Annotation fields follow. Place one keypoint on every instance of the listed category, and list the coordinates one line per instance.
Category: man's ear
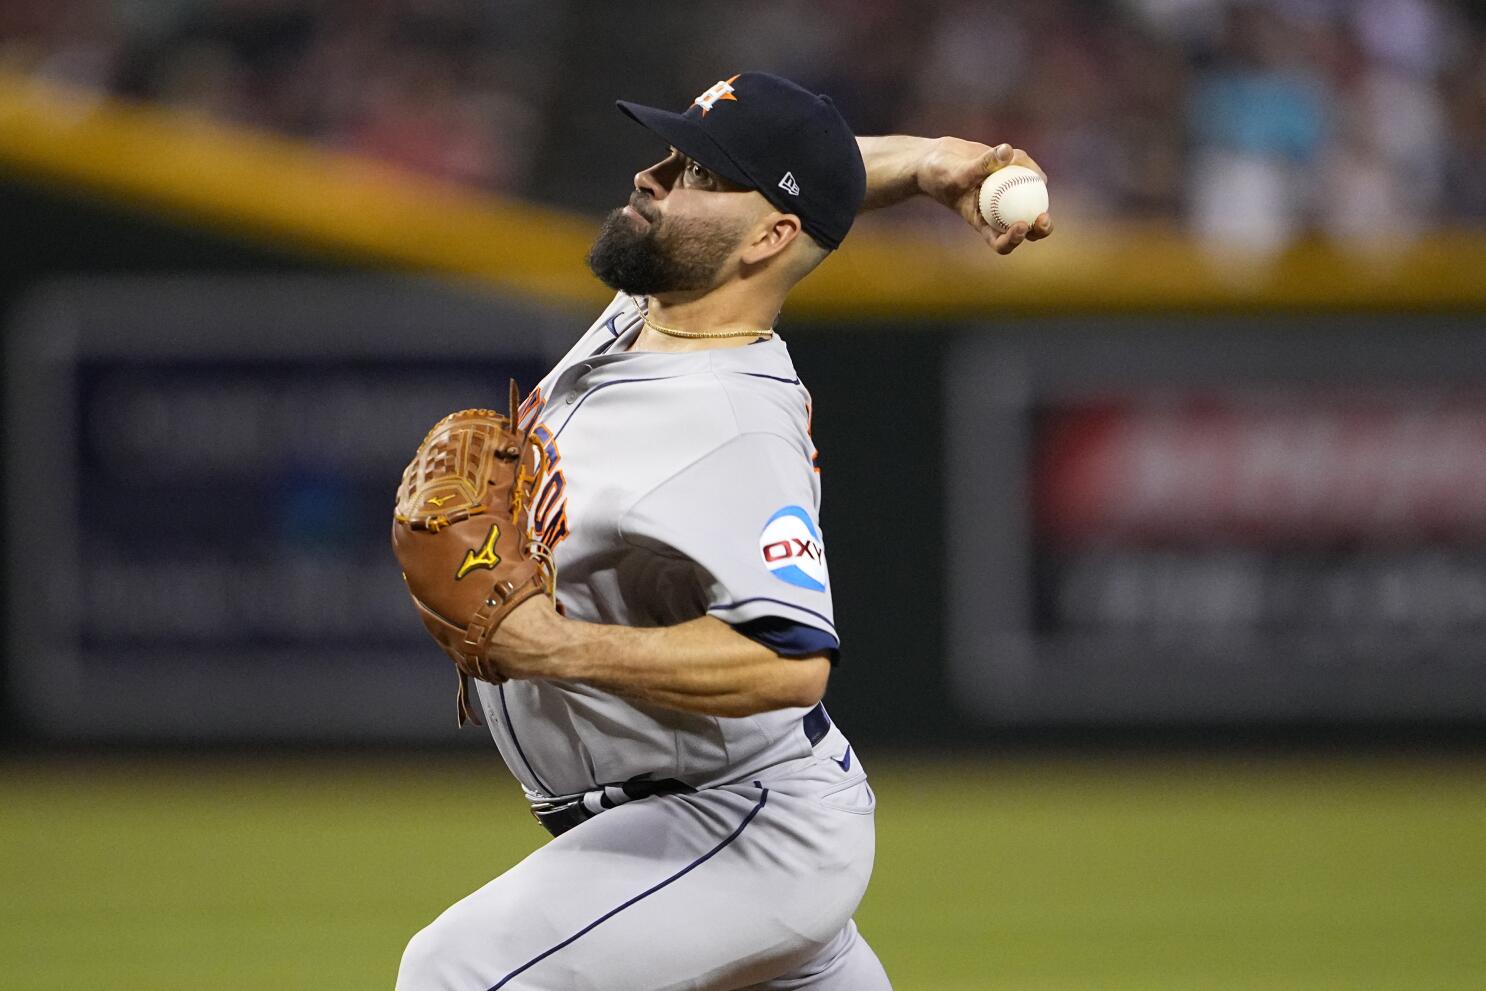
(774, 234)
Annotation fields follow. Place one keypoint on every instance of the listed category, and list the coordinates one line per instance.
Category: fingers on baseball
(997, 158)
(1006, 243)
(968, 175)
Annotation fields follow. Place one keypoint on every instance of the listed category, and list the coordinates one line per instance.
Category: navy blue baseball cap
(764, 132)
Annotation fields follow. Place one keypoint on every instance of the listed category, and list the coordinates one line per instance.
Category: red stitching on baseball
(1020, 180)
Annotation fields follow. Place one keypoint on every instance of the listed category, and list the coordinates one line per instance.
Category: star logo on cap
(723, 90)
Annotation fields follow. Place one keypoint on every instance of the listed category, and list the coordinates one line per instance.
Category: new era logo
(789, 185)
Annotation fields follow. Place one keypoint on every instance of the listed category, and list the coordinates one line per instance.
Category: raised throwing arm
(949, 171)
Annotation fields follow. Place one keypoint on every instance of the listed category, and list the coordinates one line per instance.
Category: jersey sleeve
(746, 517)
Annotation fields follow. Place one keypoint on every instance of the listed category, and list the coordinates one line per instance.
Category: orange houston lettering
(551, 493)
(549, 444)
(550, 511)
(529, 404)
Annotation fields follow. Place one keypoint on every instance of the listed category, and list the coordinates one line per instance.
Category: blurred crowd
(1252, 123)
(451, 88)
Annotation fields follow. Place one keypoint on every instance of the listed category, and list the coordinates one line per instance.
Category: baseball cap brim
(687, 137)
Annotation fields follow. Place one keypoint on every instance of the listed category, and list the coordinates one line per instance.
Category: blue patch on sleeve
(791, 549)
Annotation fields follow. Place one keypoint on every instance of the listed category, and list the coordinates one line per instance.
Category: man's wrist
(534, 641)
(895, 167)
(920, 151)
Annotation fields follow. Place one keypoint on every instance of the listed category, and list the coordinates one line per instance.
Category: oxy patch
(791, 548)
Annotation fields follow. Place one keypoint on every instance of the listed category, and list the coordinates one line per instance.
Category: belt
(558, 815)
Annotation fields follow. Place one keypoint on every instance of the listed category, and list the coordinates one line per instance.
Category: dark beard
(665, 256)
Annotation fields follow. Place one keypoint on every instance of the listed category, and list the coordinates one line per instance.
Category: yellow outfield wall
(270, 188)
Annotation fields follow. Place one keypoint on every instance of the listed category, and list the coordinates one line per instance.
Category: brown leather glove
(461, 533)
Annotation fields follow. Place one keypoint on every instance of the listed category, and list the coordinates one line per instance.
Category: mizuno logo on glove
(486, 557)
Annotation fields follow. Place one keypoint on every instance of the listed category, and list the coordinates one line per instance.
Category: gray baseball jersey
(678, 485)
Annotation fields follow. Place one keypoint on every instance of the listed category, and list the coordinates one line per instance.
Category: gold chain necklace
(697, 334)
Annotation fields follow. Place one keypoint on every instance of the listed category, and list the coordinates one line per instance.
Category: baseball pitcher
(629, 571)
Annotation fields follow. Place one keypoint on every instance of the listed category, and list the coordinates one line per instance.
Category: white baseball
(1011, 194)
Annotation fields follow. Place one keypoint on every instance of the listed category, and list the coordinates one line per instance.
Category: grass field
(1036, 875)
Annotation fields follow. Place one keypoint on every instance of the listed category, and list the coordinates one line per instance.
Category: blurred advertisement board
(201, 477)
(1221, 523)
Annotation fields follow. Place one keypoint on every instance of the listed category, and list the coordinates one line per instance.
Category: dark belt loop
(560, 819)
(816, 724)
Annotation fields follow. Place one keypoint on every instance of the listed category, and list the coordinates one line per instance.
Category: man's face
(678, 232)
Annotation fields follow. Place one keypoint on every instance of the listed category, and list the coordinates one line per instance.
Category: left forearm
(893, 163)
(699, 666)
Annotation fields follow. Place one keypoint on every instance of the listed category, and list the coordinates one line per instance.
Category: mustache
(639, 203)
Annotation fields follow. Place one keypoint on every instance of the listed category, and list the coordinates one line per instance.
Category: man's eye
(695, 171)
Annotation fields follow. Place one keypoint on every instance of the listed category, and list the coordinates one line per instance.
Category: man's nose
(647, 182)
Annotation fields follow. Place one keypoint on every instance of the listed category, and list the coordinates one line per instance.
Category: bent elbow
(805, 683)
